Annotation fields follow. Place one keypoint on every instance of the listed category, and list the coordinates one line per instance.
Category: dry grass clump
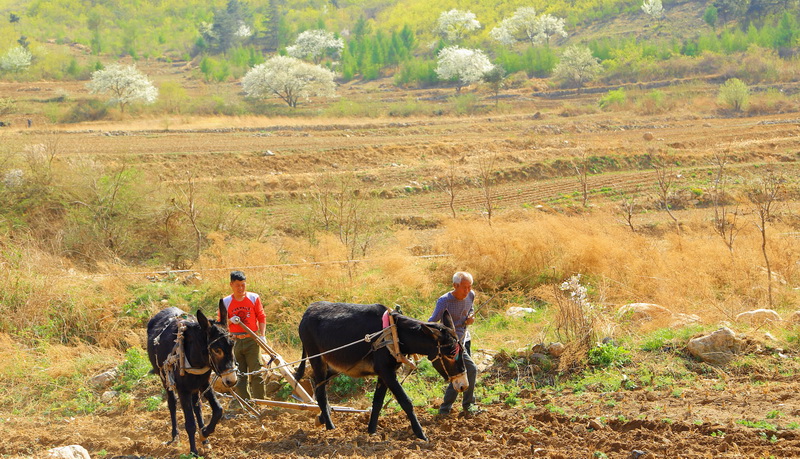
(34, 378)
(690, 272)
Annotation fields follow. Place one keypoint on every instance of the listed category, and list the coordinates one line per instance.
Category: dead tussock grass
(403, 272)
(36, 376)
(224, 252)
(688, 272)
(81, 359)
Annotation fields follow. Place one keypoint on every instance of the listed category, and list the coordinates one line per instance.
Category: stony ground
(699, 421)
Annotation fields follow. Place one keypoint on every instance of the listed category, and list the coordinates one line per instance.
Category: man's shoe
(444, 412)
(473, 409)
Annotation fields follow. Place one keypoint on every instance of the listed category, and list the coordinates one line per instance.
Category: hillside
(646, 185)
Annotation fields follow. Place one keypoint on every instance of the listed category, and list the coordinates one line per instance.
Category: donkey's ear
(202, 320)
(223, 315)
(431, 331)
(447, 320)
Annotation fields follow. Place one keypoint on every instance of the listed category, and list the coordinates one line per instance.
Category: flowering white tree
(125, 84)
(577, 65)
(525, 25)
(315, 44)
(455, 24)
(288, 78)
(466, 66)
(16, 59)
(653, 8)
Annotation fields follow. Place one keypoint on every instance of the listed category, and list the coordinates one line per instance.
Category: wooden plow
(307, 402)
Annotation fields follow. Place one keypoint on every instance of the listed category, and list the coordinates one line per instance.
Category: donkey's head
(220, 346)
(448, 356)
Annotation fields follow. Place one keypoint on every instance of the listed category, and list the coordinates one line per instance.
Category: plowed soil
(272, 164)
(700, 422)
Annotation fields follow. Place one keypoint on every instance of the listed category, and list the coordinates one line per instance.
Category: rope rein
(367, 339)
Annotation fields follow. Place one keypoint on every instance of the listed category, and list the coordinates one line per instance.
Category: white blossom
(453, 25)
(125, 84)
(577, 292)
(16, 60)
(653, 8)
(577, 65)
(206, 29)
(243, 31)
(288, 78)
(464, 65)
(525, 25)
(13, 178)
(315, 44)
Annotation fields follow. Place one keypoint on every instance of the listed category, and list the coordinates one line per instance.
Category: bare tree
(486, 170)
(187, 205)
(628, 208)
(764, 195)
(581, 166)
(340, 207)
(725, 220)
(450, 184)
(40, 159)
(666, 177)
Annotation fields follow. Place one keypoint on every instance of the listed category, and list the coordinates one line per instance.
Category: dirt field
(272, 165)
(700, 422)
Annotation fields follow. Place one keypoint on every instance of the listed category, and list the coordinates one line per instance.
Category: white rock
(681, 320)
(516, 311)
(718, 347)
(794, 317)
(104, 379)
(68, 452)
(555, 349)
(758, 316)
(643, 311)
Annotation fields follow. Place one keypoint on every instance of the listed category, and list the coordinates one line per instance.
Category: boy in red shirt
(247, 306)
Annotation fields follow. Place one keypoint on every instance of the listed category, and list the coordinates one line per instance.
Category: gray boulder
(716, 348)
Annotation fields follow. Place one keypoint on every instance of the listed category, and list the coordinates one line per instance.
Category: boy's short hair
(237, 276)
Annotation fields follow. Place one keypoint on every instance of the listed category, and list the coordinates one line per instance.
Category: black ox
(206, 346)
(326, 326)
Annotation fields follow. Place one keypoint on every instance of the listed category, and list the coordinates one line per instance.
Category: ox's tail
(301, 370)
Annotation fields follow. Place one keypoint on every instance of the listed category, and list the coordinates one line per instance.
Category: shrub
(86, 110)
(609, 355)
(7, 105)
(734, 94)
(613, 97)
(465, 104)
(135, 367)
(652, 103)
(417, 73)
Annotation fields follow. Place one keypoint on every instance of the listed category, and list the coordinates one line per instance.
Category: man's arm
(262, 329)
(438, 311)
(471, 314)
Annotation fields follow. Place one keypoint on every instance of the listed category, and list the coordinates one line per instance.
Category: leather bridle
(441, 356)
(213, 363)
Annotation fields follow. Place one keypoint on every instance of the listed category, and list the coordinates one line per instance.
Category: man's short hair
(460, 276)
(237, 276)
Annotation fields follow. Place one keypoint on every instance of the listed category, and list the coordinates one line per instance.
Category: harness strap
(394, 349)
(177, 358)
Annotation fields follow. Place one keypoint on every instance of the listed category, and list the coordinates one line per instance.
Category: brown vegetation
(347, 208)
